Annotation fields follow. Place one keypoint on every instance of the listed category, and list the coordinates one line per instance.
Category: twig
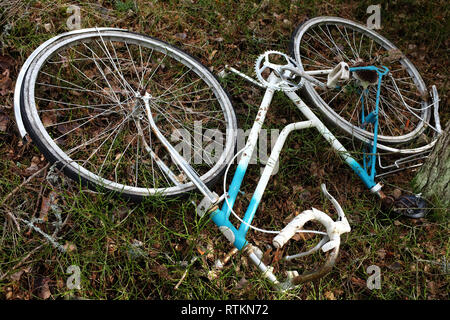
(13, 218)
(182, 278)
(22, 261)
(45, 235)
(39, 196)
(185, 272)
(23, 183)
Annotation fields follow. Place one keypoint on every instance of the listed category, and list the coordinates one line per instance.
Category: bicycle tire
(54, 153)
(386, 47)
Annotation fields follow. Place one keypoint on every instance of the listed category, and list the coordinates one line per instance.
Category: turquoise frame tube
(372, 117)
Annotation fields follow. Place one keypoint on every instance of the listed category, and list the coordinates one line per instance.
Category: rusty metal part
(322, 271)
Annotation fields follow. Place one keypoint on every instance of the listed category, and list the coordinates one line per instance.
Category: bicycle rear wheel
(404, 109)
(79, 103)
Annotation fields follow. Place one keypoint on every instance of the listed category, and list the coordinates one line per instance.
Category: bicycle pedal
(411, 206)
(340, 72)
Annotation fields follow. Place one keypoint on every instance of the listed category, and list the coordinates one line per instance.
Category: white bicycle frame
(236, 236)
(221, 217)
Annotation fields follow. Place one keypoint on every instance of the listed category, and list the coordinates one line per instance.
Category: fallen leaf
(431, 285)
(111, 245)
(211, 56)
(44, 291)
(162, 271)
(49, 119)
(4, 120)
(359, 282)
(70, 247)
(6, 66)
(304, 195)
(16, 275)
(48, 27)
(393, 55)
(277, 256)
(60, 283)
(45, 207)
(297, 188)
(329, 295)
(381, 254)
(267, 256)
(34, 166)
(397, 193)
(181, 35)
(9, 293)
(241, 284)
(396, 266)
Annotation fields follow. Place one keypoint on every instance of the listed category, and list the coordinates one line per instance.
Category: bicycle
(104, 78)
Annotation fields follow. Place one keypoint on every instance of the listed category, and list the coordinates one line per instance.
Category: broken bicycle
(106, 105)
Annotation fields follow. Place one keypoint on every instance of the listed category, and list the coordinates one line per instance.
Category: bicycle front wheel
(404, 111)
(80, 103)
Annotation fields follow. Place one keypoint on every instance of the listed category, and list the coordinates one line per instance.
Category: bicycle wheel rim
(39, 133)
(333, 115)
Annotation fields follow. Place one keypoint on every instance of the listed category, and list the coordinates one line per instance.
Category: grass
(128, 250)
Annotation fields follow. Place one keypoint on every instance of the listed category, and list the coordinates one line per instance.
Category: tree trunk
(432, 180)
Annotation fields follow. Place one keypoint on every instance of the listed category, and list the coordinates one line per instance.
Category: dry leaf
(34, 166)
(393, 55)
(359, 282)
(49, 119)
(44, 292)
(397, 193)
(9, 293)
(277, 256)
(329, 295)
(431, 285)
(241, 284)
(111, 245)
(267, 256)
(4, 120)
(381, 254)
(6, 65)
(181, 36)
(70, 247)
(396, 266)
(45, 207)
(162, 271)
(211, 56)
(16, 275)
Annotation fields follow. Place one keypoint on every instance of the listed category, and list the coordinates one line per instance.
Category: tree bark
(432, 180)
